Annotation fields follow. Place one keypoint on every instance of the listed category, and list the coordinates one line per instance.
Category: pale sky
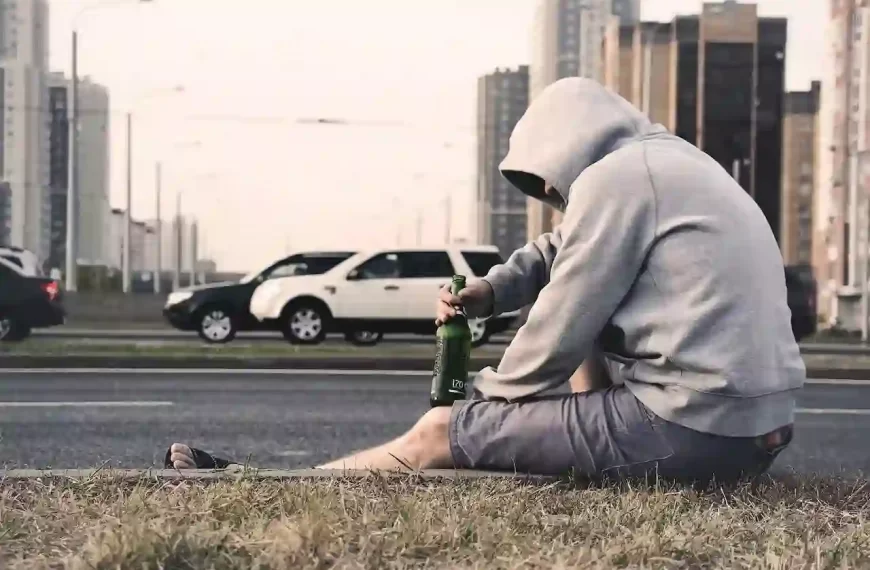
(259, 182)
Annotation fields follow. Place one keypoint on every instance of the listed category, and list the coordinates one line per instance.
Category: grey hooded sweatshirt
(662, 262)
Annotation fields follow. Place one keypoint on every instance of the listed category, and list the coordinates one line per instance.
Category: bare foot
(181, 456)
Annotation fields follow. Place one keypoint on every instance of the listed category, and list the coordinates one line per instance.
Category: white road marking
(215, 371)
(837, 382)
(293, 453)
(833, 411)
(106, 404)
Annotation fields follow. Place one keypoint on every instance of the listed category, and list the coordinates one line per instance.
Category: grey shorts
(606, 433)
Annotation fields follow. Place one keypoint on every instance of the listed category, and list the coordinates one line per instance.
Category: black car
(801, 286)
(217, 311)
(27, 302)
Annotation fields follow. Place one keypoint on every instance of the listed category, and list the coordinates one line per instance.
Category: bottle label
(451, 368)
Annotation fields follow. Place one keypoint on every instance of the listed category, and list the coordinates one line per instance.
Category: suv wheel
(479, 334)
(7, 328)
(364, 337)
(10, 331)
(216, 326)
(305, 323)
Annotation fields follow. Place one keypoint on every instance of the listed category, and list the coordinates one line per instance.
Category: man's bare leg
(592, 375)
(424, 446)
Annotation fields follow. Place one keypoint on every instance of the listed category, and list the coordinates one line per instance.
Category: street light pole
(176, 274)
(128, 215)
(71, 246)
(194, 230)
(158, 271)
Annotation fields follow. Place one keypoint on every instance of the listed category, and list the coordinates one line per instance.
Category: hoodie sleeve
(517, 282)
(609, 226)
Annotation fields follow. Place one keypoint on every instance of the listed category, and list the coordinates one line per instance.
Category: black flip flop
(202, 460)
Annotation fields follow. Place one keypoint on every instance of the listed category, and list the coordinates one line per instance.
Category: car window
(307, 264)
(14, 260)
(481, 262)
(381, 266)
(425, 264)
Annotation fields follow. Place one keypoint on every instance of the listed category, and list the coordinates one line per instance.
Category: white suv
(375, 292)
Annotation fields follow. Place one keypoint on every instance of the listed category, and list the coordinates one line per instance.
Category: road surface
(167, 336)
(66, 419)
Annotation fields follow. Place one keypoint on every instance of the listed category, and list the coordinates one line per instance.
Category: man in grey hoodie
(663, 273)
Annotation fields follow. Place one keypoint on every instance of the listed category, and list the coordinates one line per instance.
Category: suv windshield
(481, 262)
(302, 264)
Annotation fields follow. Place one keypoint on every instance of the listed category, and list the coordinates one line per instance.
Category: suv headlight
(178, 297)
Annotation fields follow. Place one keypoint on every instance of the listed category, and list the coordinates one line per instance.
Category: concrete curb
(349, 363)
(249, 473)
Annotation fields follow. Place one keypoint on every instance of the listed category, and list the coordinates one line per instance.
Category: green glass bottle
(452, 351)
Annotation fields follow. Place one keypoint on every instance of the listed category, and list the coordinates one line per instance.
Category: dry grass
(412, 523)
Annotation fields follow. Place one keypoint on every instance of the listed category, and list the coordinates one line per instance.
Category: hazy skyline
(260, 184)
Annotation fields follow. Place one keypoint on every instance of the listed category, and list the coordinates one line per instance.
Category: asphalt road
(171, 336)
(65, 419)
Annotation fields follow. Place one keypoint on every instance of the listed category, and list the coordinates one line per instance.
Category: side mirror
(353, 275)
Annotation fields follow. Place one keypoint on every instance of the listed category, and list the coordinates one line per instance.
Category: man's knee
(429, 440)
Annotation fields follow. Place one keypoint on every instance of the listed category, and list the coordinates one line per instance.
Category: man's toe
(182, 464)
(181, 456)
(181, 448)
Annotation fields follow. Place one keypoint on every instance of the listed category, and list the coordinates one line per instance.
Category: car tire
(215, 325)
(10, 331)
(305, 322)
(480, 333)
(363, 337)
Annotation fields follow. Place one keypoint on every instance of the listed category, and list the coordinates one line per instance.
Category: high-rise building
(637, 64)
(628, 11)
(93, 209)
(141, 242)
(5, 213)
(567, 42)
(840, 221)
(800, 144)
(24, 135)
(502, 98)
(58, 173)
(717, 80)
(115, 239)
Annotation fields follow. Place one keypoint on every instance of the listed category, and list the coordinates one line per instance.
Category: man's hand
(476, 298)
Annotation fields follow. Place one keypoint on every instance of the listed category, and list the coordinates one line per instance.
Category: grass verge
(410, 523)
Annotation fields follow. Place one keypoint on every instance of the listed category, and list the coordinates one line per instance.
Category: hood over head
(571, 125)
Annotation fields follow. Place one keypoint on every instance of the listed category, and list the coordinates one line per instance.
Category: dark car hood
(207, 287)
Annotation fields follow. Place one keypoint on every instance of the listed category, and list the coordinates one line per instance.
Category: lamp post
(128, 215)
(158, 222)
(178, 245)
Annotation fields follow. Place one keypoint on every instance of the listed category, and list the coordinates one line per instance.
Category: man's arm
(517, 282)
(606, 235)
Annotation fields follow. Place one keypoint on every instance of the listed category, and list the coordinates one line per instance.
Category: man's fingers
(448, 298)
(443, 313)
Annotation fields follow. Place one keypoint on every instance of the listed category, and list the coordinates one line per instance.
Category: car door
(13, 293)
(369, 291)
(422, 274)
